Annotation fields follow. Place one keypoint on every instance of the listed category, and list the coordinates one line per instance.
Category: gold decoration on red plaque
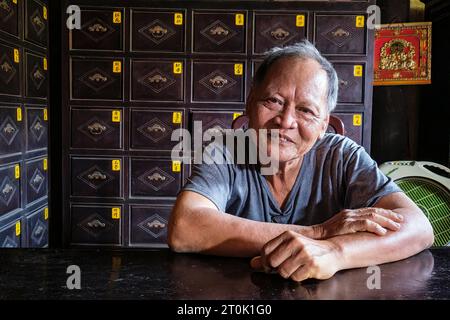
(402, 54)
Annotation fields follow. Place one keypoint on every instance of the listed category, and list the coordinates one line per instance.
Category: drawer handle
(97, 27)
(216, 130)
(38, 75)
(156, 128)
(38, 126)
(39, 230)
(37, 179)
(4, 5)
(218, 82)
(98, 78)
(157, 78)
(158, 31)
(96, 224)
(340, 33)
(97, 175)
(96, 129)
(9, 128)
(6, 67)
(343, 82)
(279, 34)
(38, 22)
(218, 31)
(7, 189)
(156, 177)
(156, 224)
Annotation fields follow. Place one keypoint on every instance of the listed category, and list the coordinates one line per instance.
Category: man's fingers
(370, 226)
(301, 274)
(257, 264)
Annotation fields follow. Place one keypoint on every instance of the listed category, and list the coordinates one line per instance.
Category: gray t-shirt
(336, 174)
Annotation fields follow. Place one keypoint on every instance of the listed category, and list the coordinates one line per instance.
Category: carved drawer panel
(37, 126)
(158, 30)
(148, 225)
(353, 125)
(9, 17)
(157, 80)
(36, 22)
(340, 34)
(9, 237)
(152, 130)
(218, 81)
(100, 30)
(10, 193)
(213, 122)
(278, 30)
(96, 224)
(12, 131)
(37, 228)
(10, 70)
(222, 32)
(96, 177)
(351, 82)
(97, 79)
(36, 76)
(36, 179)
(154, 178)
(97, 128)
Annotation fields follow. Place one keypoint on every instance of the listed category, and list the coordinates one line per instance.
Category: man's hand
(374, 220)
(297, 257)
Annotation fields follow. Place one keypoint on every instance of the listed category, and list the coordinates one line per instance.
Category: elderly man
(327, 208)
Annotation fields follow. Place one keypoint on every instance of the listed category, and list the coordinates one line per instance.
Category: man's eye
(305, 110)
(274, 100)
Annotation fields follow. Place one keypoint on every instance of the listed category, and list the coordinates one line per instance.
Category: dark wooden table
(161, 274)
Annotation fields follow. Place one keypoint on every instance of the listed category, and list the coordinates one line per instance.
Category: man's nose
(286, 119)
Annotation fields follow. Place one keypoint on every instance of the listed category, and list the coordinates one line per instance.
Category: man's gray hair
(302, 50)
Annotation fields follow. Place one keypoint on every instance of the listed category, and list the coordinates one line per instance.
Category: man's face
(293, 99)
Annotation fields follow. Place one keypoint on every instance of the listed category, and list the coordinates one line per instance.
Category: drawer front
(10, 194)
(218, 82)
(36, 76)
(157, 80)
(11, 130)
(220, 32)
(278, 30)
(148, 225)
(340, 34)
(95, 224)
(100, 30)
(37, 180)
(9, 17)
(351, 82)
(97, 79)
(153, 178)
(213, 122)
(37, 123)
(95, 177)
(9, 237)
(36, 22)
(37, 228)
(152, 130)
(97, 128)
(10, 70)
(353, 125)
(158, 31)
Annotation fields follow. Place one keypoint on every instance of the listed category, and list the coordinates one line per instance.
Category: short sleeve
(364, 181)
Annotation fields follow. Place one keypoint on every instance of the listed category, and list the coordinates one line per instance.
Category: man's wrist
(313, 232)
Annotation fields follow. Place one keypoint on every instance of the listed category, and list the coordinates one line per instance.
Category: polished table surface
(161, 274)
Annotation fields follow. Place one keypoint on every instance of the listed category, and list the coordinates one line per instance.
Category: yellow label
(177, 67)
(44, 12)
(357, 120)
(14, 1)
(177, 117)
(115, 213)
(178, 19)
(238, 69)
(176, 166)
(45, 164)
(116, 116)
(19, 114)
(236, 114)
(16, 56)
(358, 71)
(18, 228)
(46, 214)
(300, 20)
(360, 21)
(45, 114)
(117, 66)
(45, 65)
(239, 19)
(117, 17)
(116, 165)
(17, 171)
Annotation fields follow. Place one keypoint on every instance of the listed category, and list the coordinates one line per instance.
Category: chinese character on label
(300, 20)
(176, 166)
(116, 165)
(238, 69)
(239, 19)
(116, 116)
(178, 19)
(177, 68)
(177, 117)
(115, 213)
(357, 120)
(117, 17)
